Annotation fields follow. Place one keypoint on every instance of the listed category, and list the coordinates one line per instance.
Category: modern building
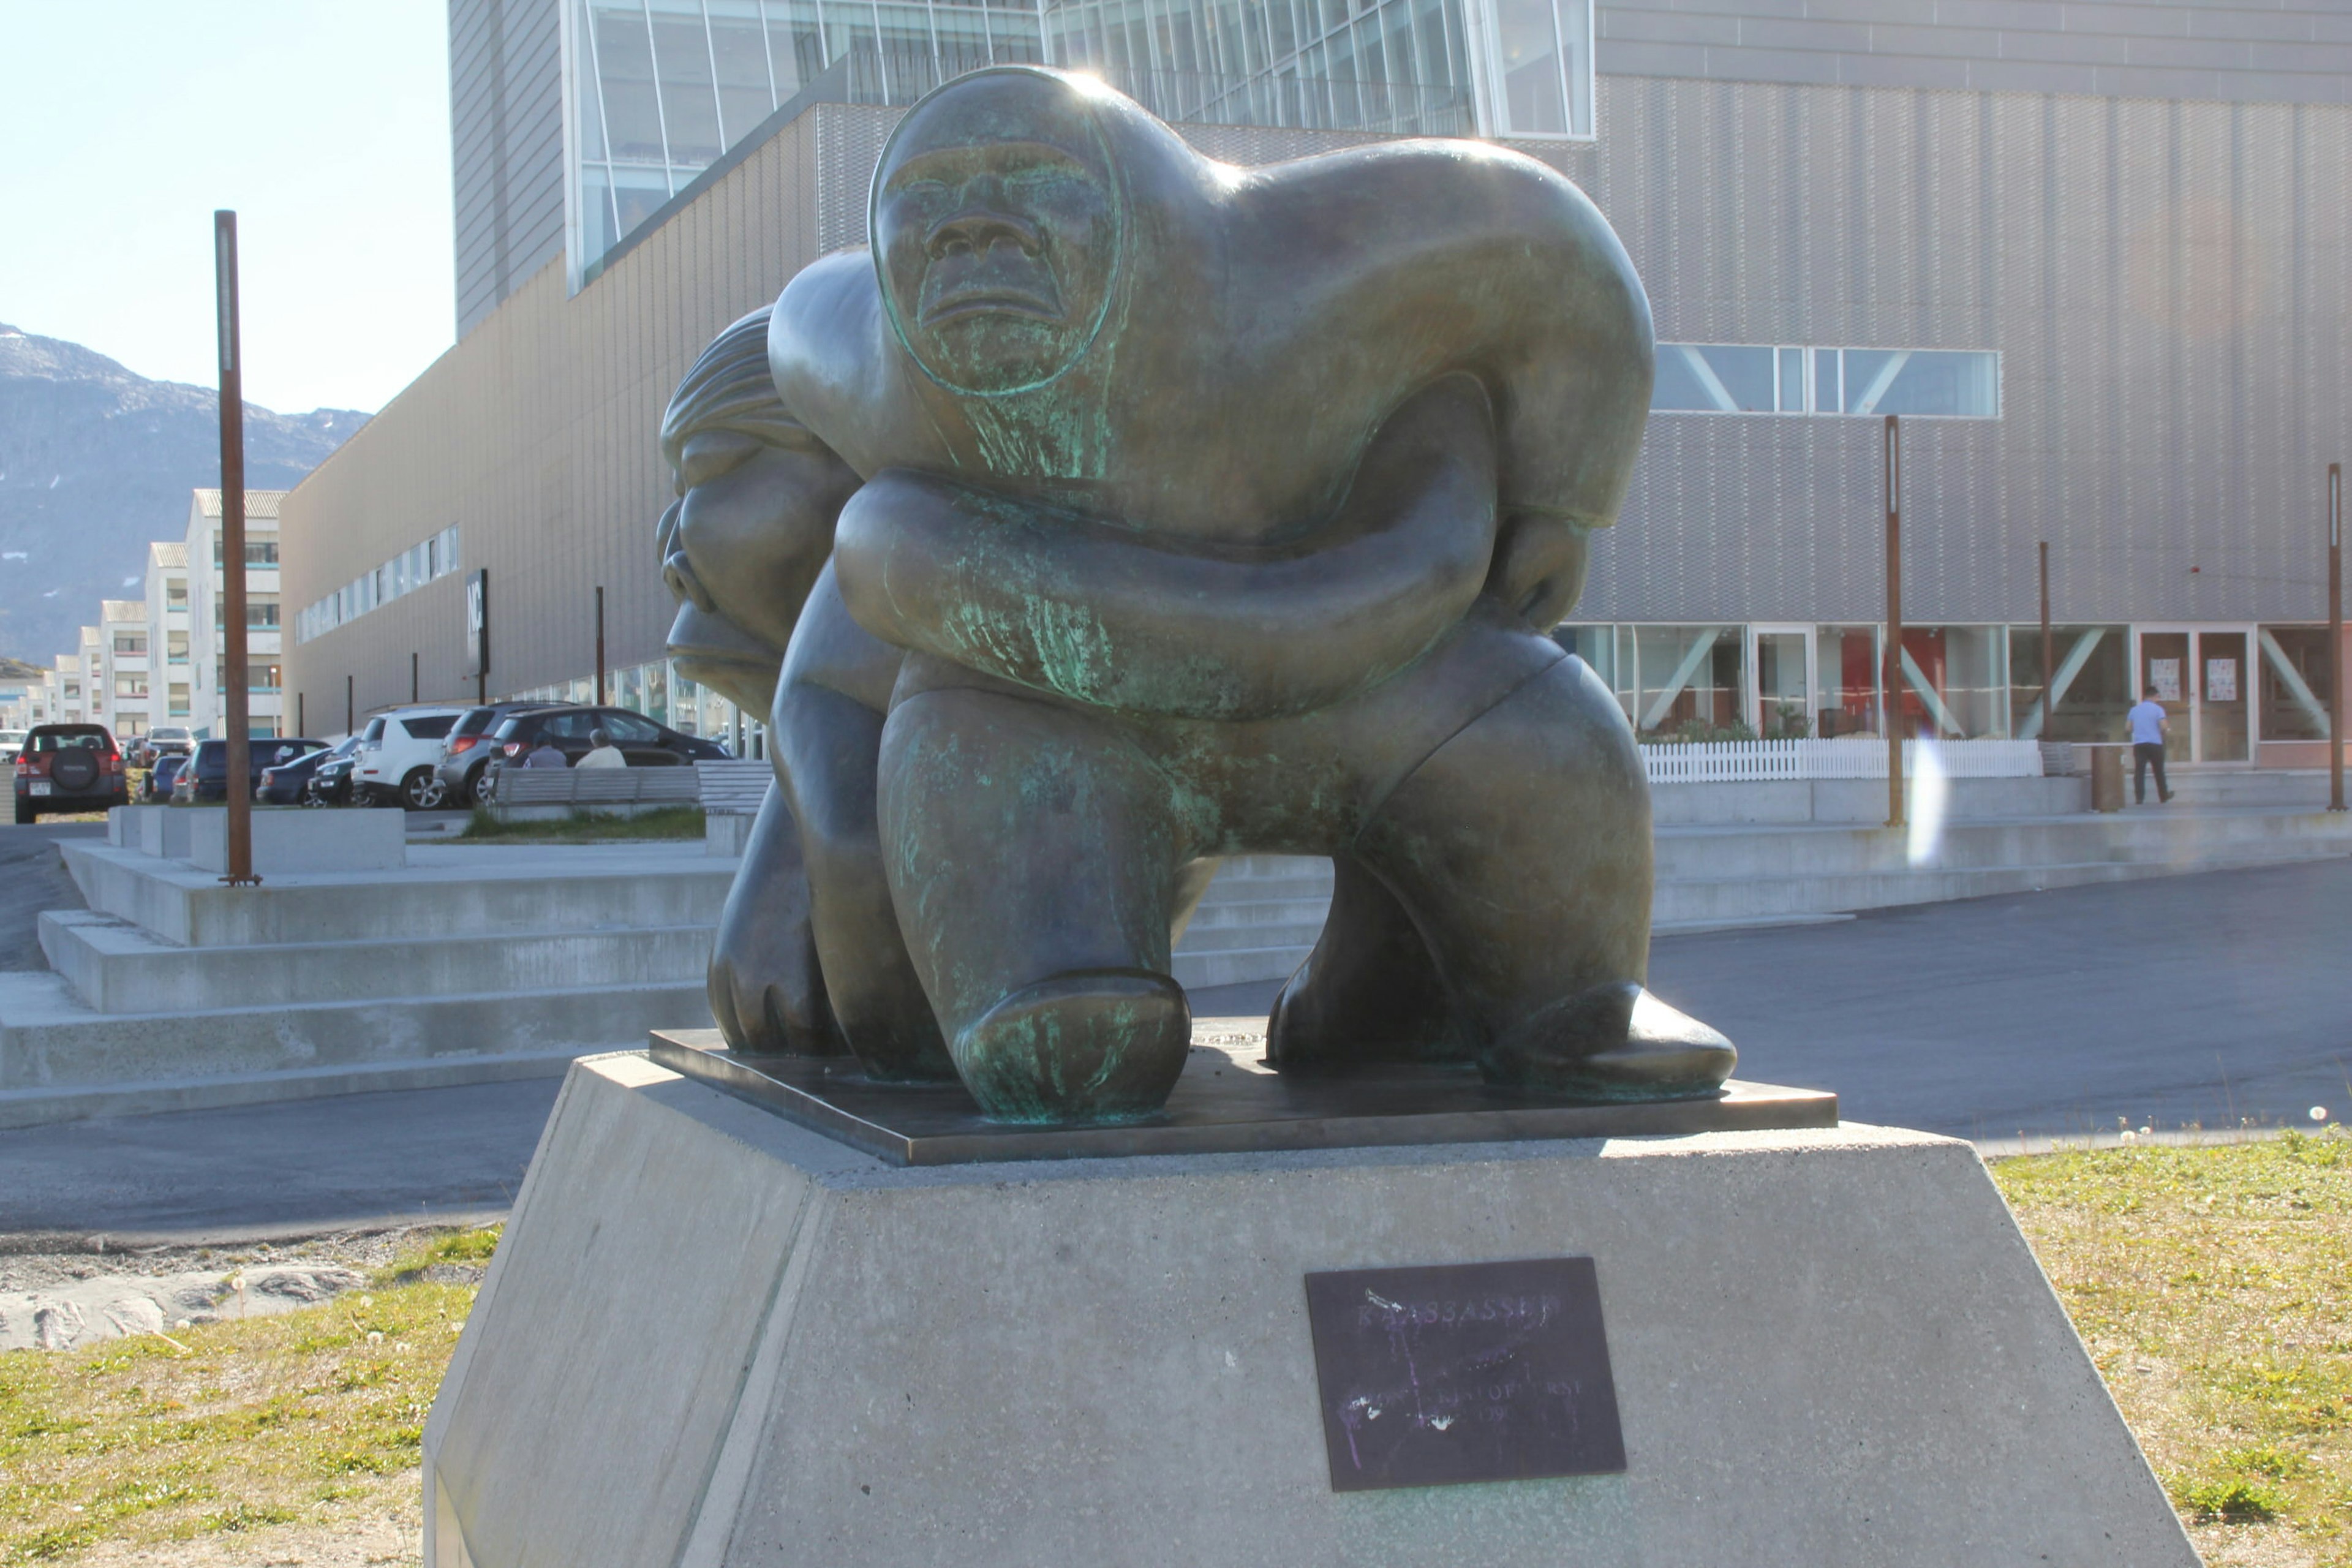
(2092, 254)
(207, 654)
(124, 673)
(171, 685)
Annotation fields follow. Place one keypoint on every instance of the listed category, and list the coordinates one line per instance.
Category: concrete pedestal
(712, 1337)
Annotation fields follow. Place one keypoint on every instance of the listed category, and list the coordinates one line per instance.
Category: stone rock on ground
(109, 1306)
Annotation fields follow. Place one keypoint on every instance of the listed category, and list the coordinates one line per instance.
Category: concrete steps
(465, 965)
(118, 967)
(62, 1059)
(445, 891)
(1731, 873)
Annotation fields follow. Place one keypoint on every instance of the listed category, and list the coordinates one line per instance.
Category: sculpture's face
(996, 227)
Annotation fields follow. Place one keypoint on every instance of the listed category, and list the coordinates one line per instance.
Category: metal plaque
(1468, 1371)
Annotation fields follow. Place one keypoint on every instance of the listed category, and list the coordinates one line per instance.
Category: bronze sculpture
(1177, 512)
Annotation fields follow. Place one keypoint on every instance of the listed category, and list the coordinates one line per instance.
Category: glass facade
(660, 89)
(1758, 378)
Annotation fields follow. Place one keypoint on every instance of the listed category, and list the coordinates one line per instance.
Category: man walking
(2146, 721)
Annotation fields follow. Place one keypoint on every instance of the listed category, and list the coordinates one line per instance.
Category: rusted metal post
(600, 648)
(2336, 637)
(235, 681)
(1892, 680)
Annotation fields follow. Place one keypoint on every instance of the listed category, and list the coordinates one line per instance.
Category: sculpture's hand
(1123, 619)
(767, 992)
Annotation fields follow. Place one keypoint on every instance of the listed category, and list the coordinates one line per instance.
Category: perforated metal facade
(2164, 281)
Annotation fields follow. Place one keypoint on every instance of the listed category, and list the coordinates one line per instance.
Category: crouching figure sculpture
(1178, 511)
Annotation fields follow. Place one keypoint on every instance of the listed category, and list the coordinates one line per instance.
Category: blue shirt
(2147, 724)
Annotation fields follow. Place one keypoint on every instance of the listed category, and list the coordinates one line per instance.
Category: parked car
(205, 776)
(467, 752)
(165, 741)
(11, 742)
(398, 753)
(158, 788)
(643, 743)
(289, 782)
(331, 785)
(68, 767)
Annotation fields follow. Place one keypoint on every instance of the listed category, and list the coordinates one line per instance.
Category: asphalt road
(32, 875)
(2186, 1000)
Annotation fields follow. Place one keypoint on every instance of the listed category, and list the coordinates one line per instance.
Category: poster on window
(2164, 674)
(2221, 680)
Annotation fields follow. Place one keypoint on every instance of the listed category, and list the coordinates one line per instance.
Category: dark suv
(466, 754)
(205, 776)
(68, 767)
(643, 743)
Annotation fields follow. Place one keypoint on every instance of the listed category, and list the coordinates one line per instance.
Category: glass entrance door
(2224, 692)
(2205, 686)
(1782, 660)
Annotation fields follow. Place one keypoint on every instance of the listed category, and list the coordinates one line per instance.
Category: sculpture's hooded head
(998, 222)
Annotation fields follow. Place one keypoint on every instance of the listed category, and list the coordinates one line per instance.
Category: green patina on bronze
(1207, 511)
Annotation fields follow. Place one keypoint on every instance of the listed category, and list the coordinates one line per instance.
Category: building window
(2295, 684)
(175, 647)
(2090, 690)
(1746, 378)
(258, 552)
(1955, 682)
(661, 88)
(1537, 66)
(131, 686)
(176, 698)
(131, 643)
(175, 593)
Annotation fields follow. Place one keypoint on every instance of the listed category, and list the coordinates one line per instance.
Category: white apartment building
(90, 662)
(170, 684)
(122, 631)
(264, 657)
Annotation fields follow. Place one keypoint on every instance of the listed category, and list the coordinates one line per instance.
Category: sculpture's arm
(1123, 619)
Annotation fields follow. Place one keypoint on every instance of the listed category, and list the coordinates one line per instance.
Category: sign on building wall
(477, 622)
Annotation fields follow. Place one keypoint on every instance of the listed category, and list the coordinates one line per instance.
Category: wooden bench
(597, 787)
(734, 788)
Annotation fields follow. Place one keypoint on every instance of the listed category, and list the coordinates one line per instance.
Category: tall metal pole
(2048, 674)
(2336, 637)
(239, 716)
(351, 708)
(1892, 680)
(600, 648)
(412, 677)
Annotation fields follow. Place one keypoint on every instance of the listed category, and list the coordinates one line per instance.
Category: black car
(158, 789)
(68, 767)
(287, 783)
(205, 776)
(643, 743)
(330, 784)
(467, 753)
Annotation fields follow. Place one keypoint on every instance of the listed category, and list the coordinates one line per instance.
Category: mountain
(95, 462)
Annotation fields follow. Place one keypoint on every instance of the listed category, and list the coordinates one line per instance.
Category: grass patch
(315, 1416)
(587, 827)
(2214, 1289)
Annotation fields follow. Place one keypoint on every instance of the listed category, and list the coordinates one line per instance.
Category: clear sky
(324, 123)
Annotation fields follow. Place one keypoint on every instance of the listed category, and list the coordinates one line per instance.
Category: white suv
(398, 753)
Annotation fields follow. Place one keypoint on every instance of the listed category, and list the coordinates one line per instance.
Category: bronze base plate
(1227, 1101)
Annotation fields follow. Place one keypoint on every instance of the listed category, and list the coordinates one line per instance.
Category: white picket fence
(1862, 757)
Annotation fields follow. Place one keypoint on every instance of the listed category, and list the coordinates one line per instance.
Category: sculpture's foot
(1092, 1046)
(1611, 1042)
(1316, 1027)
